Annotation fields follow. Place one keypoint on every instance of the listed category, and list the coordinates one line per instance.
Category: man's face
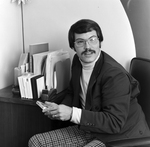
(87, 46)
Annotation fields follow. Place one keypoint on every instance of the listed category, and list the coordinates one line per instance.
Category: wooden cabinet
(20, 119)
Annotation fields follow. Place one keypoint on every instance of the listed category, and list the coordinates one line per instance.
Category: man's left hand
(60, 112)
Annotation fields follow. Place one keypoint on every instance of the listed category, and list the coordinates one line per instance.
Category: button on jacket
(111, 109)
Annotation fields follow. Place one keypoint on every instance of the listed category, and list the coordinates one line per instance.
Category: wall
(138, 12)
(10, 40)
(50, 20)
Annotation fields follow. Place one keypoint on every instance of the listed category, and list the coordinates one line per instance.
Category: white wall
(10, 40)
(50, 20)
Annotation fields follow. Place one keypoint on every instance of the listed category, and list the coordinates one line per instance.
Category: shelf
(6, 95)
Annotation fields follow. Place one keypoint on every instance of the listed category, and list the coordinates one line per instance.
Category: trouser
(65, 137)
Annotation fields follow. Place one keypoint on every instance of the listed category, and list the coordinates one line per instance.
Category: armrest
(135, 142)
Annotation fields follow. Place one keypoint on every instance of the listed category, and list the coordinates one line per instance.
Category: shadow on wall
(138, 12)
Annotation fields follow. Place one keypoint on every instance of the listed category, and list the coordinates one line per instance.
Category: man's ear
(74, 49)
(100, 45)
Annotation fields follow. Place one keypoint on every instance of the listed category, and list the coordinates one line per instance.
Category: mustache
(88, 50)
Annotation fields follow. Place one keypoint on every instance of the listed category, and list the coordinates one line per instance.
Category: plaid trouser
(65, 137)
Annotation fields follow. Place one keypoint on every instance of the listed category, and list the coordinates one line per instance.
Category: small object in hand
(41, 105)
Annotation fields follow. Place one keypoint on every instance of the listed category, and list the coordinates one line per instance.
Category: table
(20, 119)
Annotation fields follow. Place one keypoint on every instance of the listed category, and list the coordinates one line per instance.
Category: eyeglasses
(91, 41)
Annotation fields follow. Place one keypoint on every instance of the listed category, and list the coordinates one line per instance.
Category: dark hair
(83, 26)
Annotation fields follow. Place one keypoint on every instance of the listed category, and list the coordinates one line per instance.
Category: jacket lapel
(93, 79)
(77, 71)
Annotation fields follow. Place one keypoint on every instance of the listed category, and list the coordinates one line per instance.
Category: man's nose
(87, 45)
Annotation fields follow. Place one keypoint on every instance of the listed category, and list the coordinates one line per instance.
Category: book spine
(40, 85)
(30, 96)
(25, 87)
(20, 86)
(34, 88)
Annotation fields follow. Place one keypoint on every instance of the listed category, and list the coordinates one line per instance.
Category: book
(22, 85)
(34, 49)
(25, 86)
(29, 92)
(20, 82)
(40, 85)
(37, 84)
(39, 62)
(31, 85)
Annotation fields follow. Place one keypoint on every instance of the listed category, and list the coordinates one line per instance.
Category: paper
(52, 59)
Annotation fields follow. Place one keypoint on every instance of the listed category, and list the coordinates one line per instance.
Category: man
(101, 98)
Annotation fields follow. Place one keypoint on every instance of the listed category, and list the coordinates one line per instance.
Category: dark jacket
(111, 110)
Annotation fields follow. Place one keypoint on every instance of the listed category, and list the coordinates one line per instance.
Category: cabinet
(20, 119)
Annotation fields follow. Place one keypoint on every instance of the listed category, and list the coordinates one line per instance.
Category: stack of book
(31, 85)
(48, 70)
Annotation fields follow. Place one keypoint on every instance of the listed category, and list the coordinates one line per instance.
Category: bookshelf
(20, 119)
